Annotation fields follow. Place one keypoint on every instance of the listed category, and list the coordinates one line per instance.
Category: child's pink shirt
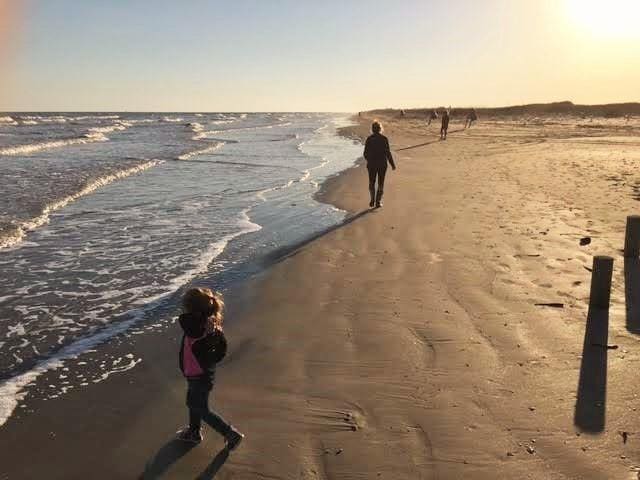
(189, 363)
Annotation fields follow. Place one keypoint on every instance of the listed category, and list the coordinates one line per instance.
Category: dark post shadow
(169, 454)
(592, 387)
(632, 293)
(213, 468)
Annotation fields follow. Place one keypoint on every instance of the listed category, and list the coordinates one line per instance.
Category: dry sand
(406, 344)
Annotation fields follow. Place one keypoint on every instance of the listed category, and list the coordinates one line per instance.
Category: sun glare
(614, 19)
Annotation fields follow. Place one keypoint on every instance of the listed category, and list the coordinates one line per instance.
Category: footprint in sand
(335, 420)
(503, 267)
(434, 258)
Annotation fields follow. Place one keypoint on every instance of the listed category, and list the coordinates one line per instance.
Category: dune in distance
(536, 109)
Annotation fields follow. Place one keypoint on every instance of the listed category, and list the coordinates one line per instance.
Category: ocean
(106, 218)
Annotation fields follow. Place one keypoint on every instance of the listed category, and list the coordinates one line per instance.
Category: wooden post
(632, 237)
(601, 281)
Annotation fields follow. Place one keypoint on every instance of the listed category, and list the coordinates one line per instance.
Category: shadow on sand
(216, 464)
(170, 453)
(291, 250)
(592, 387)
(417, 146)
(174, 450)
(632, 293)
(427, 143)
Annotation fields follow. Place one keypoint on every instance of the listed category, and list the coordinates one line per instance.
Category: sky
(302, 55)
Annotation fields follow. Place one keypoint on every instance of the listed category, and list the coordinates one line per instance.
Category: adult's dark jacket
(208, 350)
(445, 120)
(377, 152)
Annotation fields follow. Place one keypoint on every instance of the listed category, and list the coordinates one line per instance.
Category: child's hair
(376, 127)
(206, 302)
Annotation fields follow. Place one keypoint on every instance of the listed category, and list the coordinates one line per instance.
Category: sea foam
(14, 389)
(202, 151)
(18, 232)
(96, 134)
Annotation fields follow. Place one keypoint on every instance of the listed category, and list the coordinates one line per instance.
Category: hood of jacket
(192, 325)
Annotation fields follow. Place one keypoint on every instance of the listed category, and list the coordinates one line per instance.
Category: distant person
(433, 115)
(472, 116)
(445, 124)
(203, 345)
(377, 153)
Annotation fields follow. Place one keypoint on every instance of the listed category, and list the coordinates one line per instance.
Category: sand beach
(440, 336)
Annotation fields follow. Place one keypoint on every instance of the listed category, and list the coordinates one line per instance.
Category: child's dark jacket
(208, 349)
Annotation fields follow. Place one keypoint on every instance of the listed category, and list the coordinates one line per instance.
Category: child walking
(203, 345)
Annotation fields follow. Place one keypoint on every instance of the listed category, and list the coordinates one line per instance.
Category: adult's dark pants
(376, 172)
(198, 390)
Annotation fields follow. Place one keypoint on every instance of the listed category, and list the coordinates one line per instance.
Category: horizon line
(632, 102)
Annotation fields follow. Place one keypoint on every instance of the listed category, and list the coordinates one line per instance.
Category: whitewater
(107, 217)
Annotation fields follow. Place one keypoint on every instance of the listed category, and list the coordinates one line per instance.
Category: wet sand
(406, 344)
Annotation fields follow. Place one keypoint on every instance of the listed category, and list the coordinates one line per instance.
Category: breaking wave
(13, 234)
(95, 134)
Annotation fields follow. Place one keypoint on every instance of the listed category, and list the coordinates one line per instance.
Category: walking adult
(433, 115)
(377, 153)
(445, 125)
(472, 116)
